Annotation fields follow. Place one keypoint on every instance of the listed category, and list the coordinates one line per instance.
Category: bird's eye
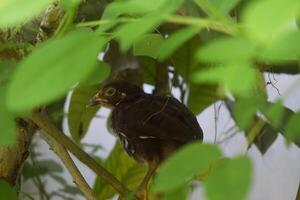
(110, 92)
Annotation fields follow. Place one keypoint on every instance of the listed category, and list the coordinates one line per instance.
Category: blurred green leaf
(274, 113)
(7, 191)
(98, 74)
(230, 180)
(224, 6)
(14, 12)
(178, 194)
(286, 47)
(201, 96)
(132, 7)
(7, 122)
(43, 167)
(52, 69)
(6, 69)
(148, 66)
(228, 76)
(29, 171)
(58, 179)
(80, 116)
(183, 59)
(227, 49)
(69, 4)
(265, 19)
(130, 32)
(50, 165)
(147, 45)
(175, 171)
(123, 168)
(292, 128)
(245, 110)
(72, 190)
(175, 40)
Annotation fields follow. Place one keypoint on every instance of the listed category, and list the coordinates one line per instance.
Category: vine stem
(218, 25)
(50, 129)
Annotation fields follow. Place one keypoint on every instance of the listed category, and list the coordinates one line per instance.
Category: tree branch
(13, 157)
(64, 156)
(44, 123)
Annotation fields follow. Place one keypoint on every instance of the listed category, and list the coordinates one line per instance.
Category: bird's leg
(142, 190)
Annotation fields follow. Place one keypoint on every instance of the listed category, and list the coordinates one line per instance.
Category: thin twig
(45, 124)
(63, 154)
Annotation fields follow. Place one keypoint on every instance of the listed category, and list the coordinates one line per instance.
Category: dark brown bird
(150, 127)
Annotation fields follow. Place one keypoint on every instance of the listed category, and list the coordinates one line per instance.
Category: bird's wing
(157, 117)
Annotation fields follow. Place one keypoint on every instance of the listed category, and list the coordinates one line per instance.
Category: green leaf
(147, 45)
(201, 96)
(6, 69)
(224, 6)
(117, 8)
(292, 128)
(286, 47)
(70, 4)
(183, 59)
(50, 165)
(7, 122)
(175, 171)
(72, 190)
(123, 168)
(230, 180)
(14, 12)
(265, 19)
(148, 66)
(228, 76)
(178, 194)
(274, 113)
(7, 191)
(52, 69)
(227, 49)
(130, 32)
(245, 110)
(29, 171)
(58, 179)
(80, 116)
(99, 74)
(175, 40)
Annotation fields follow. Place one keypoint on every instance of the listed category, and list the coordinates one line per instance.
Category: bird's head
(112, 94)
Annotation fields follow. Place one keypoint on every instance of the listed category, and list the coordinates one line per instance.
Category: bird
(150, 127)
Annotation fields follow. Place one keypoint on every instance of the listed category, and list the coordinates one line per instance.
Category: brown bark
(13, 157)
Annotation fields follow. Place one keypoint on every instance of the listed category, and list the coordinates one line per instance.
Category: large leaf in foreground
(269, 17)
(7, 127)
(13, 12)
(52, 69)
(182, 166)
(230, 180)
